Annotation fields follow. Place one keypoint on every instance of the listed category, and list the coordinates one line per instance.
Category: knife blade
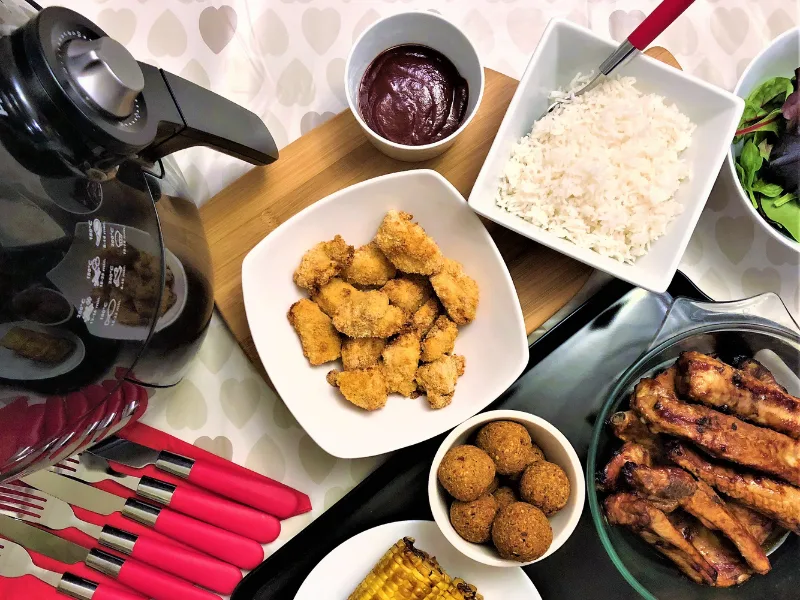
(151, 582)
(36, 506)
(231, 516)
(229, 547)
(252, 490)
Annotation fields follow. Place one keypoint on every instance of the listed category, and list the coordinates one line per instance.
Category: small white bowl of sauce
(414, 82)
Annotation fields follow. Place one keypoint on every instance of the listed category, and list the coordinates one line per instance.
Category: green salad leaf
(764, 148)
(770, 190)
(751, 162)
(763, 99)
(787, 214)
(783, 200)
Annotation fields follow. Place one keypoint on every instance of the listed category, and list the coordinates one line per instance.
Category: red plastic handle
(228, 515)
(657, 21)
(192, 566)
(106, 592)
(250, 490)
(158, 585)
(224, 545)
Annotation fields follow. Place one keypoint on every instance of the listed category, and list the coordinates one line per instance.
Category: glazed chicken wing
(630, 452)
(370, 267)
(407, 245)
(366, 388)
(438, 379)
(400, 360)
(322, 263)
(720, 435)
(458, 293)
(320, 341)
(627, 426)
(713, 383)
(774, 499)
(655, 528)
(761, 527)
(665, 486)
(360, 353)
(719, 553)
(368, 314)
(755, 369)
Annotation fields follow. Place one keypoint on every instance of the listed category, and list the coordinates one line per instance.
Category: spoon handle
(657, 21)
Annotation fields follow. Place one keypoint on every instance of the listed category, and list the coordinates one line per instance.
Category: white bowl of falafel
(506, 488)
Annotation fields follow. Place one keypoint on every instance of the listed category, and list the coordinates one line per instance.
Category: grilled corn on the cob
(406, 573)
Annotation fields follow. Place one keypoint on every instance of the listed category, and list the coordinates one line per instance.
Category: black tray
(568, 372)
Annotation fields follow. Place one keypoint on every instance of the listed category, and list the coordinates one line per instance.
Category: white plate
(338, 574)
(14, 366)
(495, 343)
(566, 49)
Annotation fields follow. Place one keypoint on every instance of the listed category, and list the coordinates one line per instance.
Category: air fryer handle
(207, 119)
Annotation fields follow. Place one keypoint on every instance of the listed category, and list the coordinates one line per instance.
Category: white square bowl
(495, 344)
(566, 49)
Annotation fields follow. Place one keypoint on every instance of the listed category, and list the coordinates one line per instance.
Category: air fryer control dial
(106, 73)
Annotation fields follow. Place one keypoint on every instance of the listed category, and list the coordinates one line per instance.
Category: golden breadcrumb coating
(368, 314)
(441, 339)
(409, 292)
(407, 245)
(369, 267)
(438, 379)
(331, 295)
(400, 361)
(322, 263)
(366, 388)
(360, 353)
(320, 341)
(423, 319)
(457, 292)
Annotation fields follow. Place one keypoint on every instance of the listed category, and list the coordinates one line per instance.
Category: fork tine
(72, 459)
(63, 469)
(17, 502)
(28, 494)
(18, 511)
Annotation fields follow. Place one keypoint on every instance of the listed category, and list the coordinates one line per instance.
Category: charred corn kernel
(406, 573)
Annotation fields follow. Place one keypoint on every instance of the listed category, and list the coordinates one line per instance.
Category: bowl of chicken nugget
(506, 488)
(384, 314)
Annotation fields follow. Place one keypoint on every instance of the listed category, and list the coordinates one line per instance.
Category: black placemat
(397, 490)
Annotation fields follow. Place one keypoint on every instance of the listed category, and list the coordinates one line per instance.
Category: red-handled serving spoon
(648, 30)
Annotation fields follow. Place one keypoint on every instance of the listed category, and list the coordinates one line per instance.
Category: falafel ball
(466, 472)
(521, 532)
(535, 454)
(546, 486)
(473, 520)
(504, 496)
(493, 486)
(508, 443)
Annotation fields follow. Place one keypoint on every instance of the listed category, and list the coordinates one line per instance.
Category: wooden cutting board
(336, 155)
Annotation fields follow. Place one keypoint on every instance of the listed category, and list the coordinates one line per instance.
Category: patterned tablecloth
(284, 59)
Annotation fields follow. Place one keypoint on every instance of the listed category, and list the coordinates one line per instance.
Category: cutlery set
(211, 536)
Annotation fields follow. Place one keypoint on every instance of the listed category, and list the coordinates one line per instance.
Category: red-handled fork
(34, 506)
(654, 25)
(16, 562)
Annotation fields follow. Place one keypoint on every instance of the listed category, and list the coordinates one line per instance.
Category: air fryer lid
(104, 106)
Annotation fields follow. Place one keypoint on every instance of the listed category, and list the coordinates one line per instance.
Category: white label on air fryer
(97, 233)
(116, 276)
(95, 271)
(117, 238)
(109, 312)
(88, 309)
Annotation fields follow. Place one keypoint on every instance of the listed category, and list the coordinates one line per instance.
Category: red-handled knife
(147, 580)
(224, 545)
(253, 490)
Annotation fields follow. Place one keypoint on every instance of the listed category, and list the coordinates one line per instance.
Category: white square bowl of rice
(617, 178)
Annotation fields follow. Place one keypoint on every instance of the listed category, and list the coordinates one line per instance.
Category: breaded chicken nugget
(322, 263)
(331, 295)
(366, 388)
(441, 340)
(360, 353)
(320, 341)
(369, 267)
(400, 360)
(438, 379)
(409, 292)
(457, 291)
(407, 245)
(423, 319)
(368, 314)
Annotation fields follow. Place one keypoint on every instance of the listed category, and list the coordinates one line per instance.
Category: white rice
(602, 169)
